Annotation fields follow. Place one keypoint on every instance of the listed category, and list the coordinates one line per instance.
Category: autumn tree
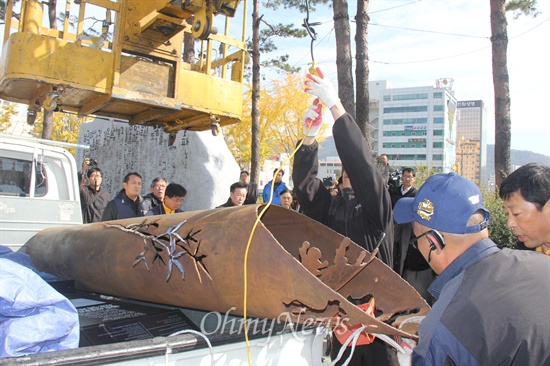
(65, 127)
(282, 105)
(6, 113)
(262, 42)
(501, 81)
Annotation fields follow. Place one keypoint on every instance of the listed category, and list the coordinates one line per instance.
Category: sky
(414, 43)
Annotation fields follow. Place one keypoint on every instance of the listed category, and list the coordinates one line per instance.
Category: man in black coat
(408, 261)
(93, 200)
(362, 211)
(127, 202)
(251, 187)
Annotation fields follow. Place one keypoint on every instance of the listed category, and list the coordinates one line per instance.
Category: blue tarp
(34, 317)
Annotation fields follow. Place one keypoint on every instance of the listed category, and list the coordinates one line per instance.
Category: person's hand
(313, 119)
(322, 88)
(86, 164)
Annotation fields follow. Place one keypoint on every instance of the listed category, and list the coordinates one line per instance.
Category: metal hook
(309, 28)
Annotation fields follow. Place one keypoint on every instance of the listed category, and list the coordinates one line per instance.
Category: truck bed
(128, 332)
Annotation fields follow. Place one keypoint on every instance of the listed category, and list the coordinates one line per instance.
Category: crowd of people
(490, 305)
(97, 205)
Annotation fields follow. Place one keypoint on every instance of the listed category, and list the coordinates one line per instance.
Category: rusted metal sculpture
(296, 266)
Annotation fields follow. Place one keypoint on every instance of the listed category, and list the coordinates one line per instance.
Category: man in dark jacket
(406, 189)
(362, 211)
(251, 188)
(492, 304)
(409, 262)
(127, 203)
(155, 195)
(237, 195)
(93, 200)
(173, 198)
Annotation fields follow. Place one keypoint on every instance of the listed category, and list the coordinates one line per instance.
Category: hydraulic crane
(135, 69)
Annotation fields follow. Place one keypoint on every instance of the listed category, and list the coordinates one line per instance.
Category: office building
(415, 126)
(471, 131)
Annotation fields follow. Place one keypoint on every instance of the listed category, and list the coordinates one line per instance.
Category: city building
(471, 132)
(415, 126)
(331, 167)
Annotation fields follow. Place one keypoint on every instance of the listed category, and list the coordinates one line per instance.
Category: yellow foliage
(282, 105)
(66, 127)
(6, 112)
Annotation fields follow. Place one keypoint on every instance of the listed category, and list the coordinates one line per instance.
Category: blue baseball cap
(445, 202)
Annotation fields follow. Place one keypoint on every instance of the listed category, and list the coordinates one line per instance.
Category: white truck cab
(38, 188)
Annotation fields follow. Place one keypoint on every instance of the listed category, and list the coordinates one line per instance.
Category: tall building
(471, 132)
(416, 125)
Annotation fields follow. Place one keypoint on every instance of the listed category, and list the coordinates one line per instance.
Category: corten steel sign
(296, 266)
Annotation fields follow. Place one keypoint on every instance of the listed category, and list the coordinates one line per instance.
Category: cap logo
(425, 209)
(474, 200)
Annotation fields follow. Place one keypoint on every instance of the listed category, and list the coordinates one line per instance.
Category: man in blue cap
(492, 304)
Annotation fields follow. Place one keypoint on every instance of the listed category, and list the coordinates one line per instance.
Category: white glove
(313, 119)
(321, 88)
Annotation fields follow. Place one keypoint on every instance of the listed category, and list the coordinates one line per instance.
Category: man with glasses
(93, 199)
(155, 196)
(173, 198)
(492, 304)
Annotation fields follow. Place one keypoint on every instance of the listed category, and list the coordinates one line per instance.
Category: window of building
(438, 132)
(438, 157)
(438, 95)
(411, 96)
(387, 98)
(408, 109)
(405, 121)
(438, 144)
(439, 119)
(439, 108)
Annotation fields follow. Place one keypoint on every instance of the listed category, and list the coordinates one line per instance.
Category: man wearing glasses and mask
(492, 304)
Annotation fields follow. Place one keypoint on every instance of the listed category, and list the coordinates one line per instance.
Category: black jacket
(363, 214)
(93, 203)
(395, 194)
(122, 207)
(229, 203)
(251, 194)
(149, 202)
